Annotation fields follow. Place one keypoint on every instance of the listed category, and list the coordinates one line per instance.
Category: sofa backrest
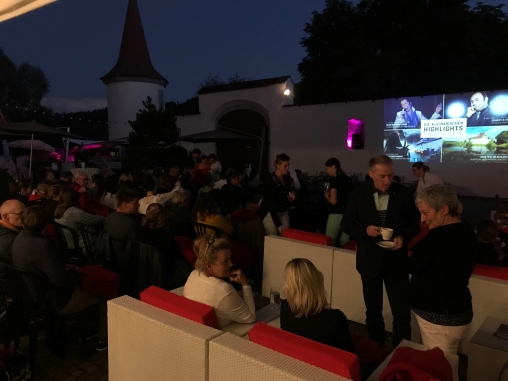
(301, 235)
(491, 271)
(179, 305)
(334, 360)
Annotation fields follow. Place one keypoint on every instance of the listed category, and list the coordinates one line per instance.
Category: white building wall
(124, 101)
(312, 134)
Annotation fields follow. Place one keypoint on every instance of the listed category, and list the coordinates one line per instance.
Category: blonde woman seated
(306, 311)
(205, 285)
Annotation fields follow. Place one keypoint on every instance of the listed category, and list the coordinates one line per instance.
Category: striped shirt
(381, 201)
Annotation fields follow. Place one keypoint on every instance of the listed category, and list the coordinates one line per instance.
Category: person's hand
(401, 114)
(439, 108)
(327, 194)
(470, 111)
(398, 242)
(280, 228)
(239, 277)
(291, 196)
(373, 231)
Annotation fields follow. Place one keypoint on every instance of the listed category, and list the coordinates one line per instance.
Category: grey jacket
(75, 218)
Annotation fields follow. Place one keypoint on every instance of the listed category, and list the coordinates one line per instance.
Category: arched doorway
(238, 153)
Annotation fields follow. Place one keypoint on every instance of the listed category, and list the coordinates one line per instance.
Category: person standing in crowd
(441, 265)
(336, 195)
(277, 197)
(426, 178)
(80, 157)
(20, 190)
(375, 205)
(151, 197)
(98, 160)
(206, 285)
(215, 166)
(200, 171)
(193, 158)
(307, 313)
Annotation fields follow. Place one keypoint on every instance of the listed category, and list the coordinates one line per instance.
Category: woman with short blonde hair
(306, 312)
(155, 216)
(209, 282)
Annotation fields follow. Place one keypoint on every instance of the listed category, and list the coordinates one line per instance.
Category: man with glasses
(80, 182)
(10, 211)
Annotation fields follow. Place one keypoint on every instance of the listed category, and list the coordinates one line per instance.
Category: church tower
(133, 78)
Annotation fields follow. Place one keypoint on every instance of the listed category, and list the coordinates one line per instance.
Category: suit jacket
(402, 216)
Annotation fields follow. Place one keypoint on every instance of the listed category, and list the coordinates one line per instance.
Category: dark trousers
(397, 289)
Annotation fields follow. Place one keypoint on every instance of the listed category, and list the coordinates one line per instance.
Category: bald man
(10, 211)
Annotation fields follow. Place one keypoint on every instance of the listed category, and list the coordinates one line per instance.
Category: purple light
(355, 126)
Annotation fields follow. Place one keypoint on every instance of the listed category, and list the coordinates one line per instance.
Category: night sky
(77, 41)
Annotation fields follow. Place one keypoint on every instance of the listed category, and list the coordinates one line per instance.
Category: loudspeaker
(356, 134)
(357, 141)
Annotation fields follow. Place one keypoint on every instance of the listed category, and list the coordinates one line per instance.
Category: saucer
(386, 244)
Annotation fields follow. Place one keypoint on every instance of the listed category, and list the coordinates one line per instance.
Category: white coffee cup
(82, 165)
(386, 233)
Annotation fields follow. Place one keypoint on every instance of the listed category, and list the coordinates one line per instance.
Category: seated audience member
(154, 232)
(10, 225)
(208, 184)
(69, 213)
(21, 190)
(180, 214)
(441, 265)
(119, 224)
(255, 179)
(206, 211)
(222, 180)
(97, 179)
(50, 200)
(491, 249)
(86, 202)
(426, 178)
(50, 176)
(39, 192)
(215, 166)
(501, 215)
(151, 197)
(232, 196)
(80, 183)
(307, 313)
(36, 255)
(67, 177)
(205, 285)
(200, 171)
(173, 174)
(126, 176)
(98, 160)
(193, 158)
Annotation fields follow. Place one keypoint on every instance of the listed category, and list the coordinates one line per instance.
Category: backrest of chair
(305, 236)
(179, 305)
(20, 280)
(334, 360)
(201, 229)
(65, 234)
(89, 238)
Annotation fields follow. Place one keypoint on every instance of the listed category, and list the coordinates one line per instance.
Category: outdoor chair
(89, 238)
(65, 234)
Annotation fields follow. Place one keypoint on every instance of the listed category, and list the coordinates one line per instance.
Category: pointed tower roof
(134, 62)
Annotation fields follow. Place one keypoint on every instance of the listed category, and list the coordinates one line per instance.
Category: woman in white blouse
(426, 177)
(215, 167)
(205, 285)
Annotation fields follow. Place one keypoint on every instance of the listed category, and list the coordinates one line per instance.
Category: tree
(502, 138)
(391, 48)
(21, 88)
(153, 138)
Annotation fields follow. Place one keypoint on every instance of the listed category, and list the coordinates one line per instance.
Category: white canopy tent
(14, 8)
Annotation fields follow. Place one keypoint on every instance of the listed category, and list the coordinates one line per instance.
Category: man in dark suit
(378, 204)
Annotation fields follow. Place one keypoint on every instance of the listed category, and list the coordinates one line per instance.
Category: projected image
(409, 112)
(482, 144)
(480, 108)
(410, 146)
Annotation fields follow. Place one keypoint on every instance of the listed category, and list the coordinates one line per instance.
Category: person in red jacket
(86, 202)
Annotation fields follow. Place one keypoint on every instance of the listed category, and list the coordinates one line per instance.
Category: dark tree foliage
(153, 138)
(391, 48)
(21, 87)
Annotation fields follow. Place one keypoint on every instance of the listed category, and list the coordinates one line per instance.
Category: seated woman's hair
(213, 156)
(420, 165)
(439, 195)
(126, 176)
(43, 186)
(208, 181)
(47, 173)
(179, 196)
(203, 157)
(155, 216)
(205, 206)
(53, 191)
(126, 196)
(98, 192)
(22, 184)
(487, 230)
(34, 219)
(98, 179)
(232, 175)
(149, 184)
(206, 249)
(305, 289)
(68, 198)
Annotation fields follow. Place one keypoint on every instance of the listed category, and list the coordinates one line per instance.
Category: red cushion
(301, 235)
(491, 271)
(187, 249)
(244, 215)
(351, 245)
(180, 306)
(334, 360)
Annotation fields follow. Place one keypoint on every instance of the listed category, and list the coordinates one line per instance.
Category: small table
(488, 354)
(452, 359)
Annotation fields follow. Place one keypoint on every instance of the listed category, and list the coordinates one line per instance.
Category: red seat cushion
(351, 245)
(180, 306)
(304, 236)
(491, 271)
(334, 360)
(244, 215)
(187, 249)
